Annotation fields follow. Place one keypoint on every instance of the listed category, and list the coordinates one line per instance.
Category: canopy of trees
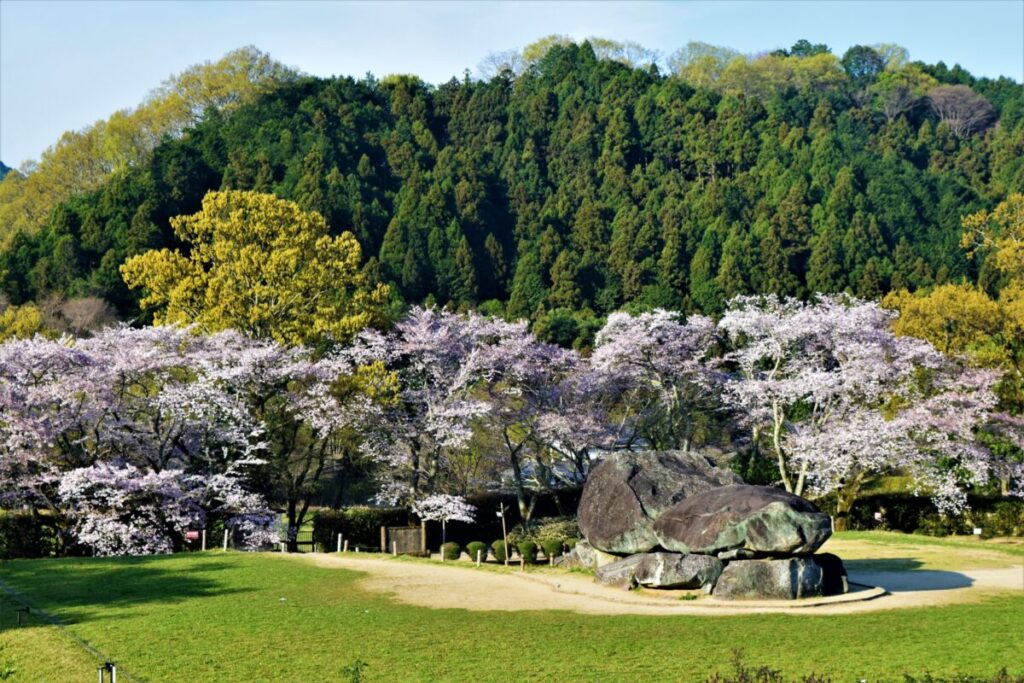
(577, 180)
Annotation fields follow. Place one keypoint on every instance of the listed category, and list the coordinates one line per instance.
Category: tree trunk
(846, 496)
(293, 529)
(777, 442)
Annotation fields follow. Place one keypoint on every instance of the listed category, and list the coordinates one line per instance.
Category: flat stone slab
(661, 570)
(787, 579)
(741, 522)
(673, 570)
(627, 491)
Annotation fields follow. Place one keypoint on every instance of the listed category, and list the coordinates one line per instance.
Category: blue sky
(64, 65)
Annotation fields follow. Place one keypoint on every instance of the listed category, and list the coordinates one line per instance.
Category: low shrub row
(26, 535)
(917, 514)
(527, 550)
(358, 525)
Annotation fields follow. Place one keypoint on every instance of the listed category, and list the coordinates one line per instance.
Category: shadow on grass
(904, 574)
(887, 564)
(83, 589)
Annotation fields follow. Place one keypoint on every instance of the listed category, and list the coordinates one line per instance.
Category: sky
(64, 65)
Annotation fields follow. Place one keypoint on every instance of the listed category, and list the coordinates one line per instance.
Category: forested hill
(575, 183)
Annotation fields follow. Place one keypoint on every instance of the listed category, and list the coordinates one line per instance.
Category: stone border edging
(871, 593)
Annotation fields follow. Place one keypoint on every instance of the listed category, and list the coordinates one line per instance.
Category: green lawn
(239, 617)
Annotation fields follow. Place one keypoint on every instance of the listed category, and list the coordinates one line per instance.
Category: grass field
(239, 617)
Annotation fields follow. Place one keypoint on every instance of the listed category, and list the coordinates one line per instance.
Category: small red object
(191, 535)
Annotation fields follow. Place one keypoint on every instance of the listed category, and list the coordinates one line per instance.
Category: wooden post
(551, 560)
(423, 537)
(478, 557)
(225, 540)
(339, 543)
(394, 548)
(383, 539)
(344, 548)
(284, 547)
(204, 539)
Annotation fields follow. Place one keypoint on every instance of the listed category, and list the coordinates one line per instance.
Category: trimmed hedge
(451, 551)
(995, 516)
(528, 551)
(553, 547)
(26, 535)
(358, 525)
(546, 529)
(473, 547)
(499, 550)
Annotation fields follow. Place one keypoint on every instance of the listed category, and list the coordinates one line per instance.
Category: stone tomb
(676, 519)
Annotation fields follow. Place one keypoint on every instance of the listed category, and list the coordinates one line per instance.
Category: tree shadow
(903, 574)
(75, 590)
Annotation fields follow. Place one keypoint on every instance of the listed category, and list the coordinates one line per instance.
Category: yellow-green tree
(964, 319)
(80, 160)
(22, 322)
(260, 265)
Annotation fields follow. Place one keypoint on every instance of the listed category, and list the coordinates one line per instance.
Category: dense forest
(573, 181)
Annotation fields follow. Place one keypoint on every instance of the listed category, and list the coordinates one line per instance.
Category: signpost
(504, 531)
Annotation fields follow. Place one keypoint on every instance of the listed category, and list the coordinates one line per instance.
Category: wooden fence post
(344, 548)
(383, 539)
(339, 543)
(225, 540)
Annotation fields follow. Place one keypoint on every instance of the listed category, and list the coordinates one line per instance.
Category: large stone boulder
(736, 522)
(787, 579)
(627, 491)
(620, 574)
(834, 580)
(661, 570)
(582, 556)
(672, 570)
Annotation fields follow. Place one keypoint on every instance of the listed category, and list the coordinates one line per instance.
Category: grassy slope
(237, 617)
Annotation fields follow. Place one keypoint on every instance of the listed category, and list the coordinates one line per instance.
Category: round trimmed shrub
(528, 551)
(500, 552)
(552, 547)
(475, 546)
(451, 551)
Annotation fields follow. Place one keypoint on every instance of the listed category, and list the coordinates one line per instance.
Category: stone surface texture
(620, 574)
(627, 491)
(742, 521)
(787, 579)
(673, 570)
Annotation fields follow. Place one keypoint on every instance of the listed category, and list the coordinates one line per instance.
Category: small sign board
(191, 535)
(977, 531)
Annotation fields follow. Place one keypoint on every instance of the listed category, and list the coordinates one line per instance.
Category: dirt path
(439, 585)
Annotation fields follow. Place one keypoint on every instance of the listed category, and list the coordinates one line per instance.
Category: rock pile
(676, 519)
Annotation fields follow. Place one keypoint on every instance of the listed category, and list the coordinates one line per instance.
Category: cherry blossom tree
(524, 381)
(135, 403)
(659, 359)
(435, 359)
(444, 508)
(844, 399)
